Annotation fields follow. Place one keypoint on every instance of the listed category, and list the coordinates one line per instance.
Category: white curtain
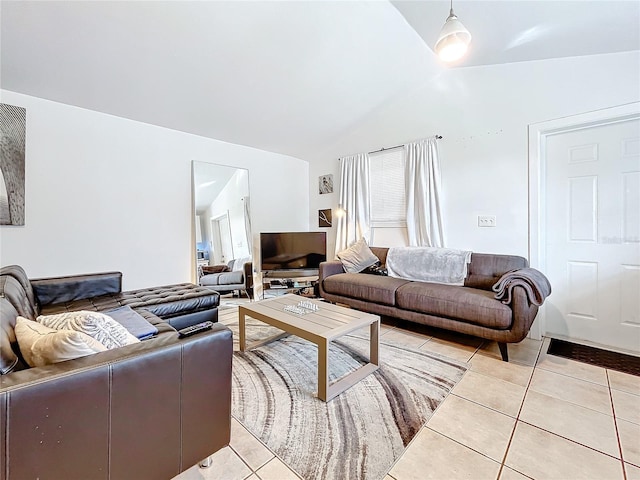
(424, 218)
(353, 222)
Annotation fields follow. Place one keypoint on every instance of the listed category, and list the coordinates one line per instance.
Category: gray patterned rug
(359, 434)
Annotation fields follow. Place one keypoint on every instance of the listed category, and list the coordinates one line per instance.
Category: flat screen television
(292, 253)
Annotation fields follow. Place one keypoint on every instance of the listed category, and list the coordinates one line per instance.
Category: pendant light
(453, 40)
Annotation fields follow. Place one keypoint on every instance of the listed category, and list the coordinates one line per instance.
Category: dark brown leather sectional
(471, 309)
(144, 411)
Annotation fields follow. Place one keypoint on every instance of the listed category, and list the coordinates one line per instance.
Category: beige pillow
(97, 325)
(357, 257)
(42, 345)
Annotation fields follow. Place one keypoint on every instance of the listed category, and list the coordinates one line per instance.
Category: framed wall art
(13, 123)
(325, 184)
(324, 218)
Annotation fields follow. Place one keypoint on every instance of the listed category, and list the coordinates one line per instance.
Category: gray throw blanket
(428, 264)
(533, 281)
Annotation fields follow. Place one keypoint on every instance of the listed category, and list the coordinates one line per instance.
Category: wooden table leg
(323, 370)
(374, 342)
(241, 328)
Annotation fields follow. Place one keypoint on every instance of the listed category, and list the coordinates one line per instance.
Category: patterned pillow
(357, 257)
(97, 325)
(42, 345)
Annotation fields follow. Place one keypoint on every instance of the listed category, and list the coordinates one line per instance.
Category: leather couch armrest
(76, 287)
(168, 338)
(148, 410)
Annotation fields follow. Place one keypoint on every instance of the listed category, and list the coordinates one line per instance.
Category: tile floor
(538, 416)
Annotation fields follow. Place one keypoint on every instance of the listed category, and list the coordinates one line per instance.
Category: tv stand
(293, 283)
(289, 274)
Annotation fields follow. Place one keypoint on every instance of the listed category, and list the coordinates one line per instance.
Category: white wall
(483, 114)
(106, 193)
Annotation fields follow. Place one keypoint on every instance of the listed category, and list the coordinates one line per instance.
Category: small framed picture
(325, 184)
(324, 218)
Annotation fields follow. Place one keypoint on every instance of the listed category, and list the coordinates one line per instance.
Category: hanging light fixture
(453, 40)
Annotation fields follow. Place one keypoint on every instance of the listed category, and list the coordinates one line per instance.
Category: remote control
(193, 329)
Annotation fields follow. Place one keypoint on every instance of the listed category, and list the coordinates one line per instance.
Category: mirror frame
(196, 183)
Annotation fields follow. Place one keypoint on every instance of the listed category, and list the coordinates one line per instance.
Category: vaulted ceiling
(288, 77)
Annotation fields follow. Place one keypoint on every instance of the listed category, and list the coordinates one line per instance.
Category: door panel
(592, 234)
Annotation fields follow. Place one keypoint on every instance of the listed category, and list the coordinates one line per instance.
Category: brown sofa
(471, 309)
(149, 410)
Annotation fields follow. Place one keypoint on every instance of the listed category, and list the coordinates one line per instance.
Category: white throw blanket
(428, 264)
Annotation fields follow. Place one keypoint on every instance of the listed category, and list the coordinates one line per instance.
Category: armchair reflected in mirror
(222, 226)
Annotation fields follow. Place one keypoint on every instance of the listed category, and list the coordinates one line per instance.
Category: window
(388, 198)
(387, 187)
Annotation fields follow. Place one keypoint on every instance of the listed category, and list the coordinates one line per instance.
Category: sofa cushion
(461, 303)
(225, 278)
(95, 324)
(171, 300)
(381, 253)
(165, 302)
(231, 278)
(73, 288)
(357, 257)
(209, 280)
(237, 265)
(371, 288)
(41, 345)
(486, 269)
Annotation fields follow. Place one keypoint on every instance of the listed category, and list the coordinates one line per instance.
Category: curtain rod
(438, 137)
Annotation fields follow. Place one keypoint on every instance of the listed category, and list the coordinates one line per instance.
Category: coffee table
(321, 327)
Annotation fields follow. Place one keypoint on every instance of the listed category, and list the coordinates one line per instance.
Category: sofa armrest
(248, 275)
(145, 411)
(329, 268)
(76, 287)
(524, 313)
(332, 267)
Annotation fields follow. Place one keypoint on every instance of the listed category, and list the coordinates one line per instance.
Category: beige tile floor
(538, 416)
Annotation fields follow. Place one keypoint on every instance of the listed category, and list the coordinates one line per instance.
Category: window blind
(387, 188)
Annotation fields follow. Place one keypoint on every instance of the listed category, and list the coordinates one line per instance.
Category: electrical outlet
(486, 220)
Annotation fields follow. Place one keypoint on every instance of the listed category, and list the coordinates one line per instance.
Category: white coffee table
(321, 327)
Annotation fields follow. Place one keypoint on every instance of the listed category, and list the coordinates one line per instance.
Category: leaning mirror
(222, 227)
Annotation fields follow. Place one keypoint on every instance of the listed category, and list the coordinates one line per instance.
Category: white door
(222, 245)
(592, 234)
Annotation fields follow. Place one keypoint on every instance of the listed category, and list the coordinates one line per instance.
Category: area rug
(357, 435)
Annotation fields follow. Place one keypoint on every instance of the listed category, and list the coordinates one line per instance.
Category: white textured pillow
(97, 325)
(42, 345)
(357, 257)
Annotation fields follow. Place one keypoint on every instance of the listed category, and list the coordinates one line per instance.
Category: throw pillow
(41, 345)
(215, 269)
(357, 257)
(376, 269)
(95, 324)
